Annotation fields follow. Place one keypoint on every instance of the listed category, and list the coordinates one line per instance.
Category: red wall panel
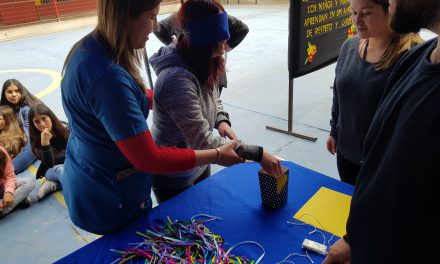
(14, 12)
(18, 12)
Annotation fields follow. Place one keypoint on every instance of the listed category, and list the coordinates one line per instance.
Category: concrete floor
(257, 96)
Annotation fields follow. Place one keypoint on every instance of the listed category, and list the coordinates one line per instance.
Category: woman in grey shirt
(186, 104)
(364, 64)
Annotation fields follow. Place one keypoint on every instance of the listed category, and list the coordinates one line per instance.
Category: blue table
(234, 195)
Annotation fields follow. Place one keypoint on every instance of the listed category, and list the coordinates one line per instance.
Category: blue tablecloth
(234, 195)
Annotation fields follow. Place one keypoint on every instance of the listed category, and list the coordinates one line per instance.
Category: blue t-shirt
(103, 104)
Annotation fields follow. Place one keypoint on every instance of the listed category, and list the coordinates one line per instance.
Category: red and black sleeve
(141, 151)
(150, 95)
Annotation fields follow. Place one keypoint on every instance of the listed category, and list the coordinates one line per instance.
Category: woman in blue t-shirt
(110, 151)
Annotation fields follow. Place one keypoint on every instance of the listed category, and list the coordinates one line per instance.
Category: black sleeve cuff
(333, 132)
(46, 148)
(222, 117)
(250, 152)
(260, 153)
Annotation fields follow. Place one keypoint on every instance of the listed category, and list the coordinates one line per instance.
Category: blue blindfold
(209, 30)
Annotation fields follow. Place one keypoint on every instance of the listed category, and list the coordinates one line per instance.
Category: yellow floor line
(58, 195)
(33, 169)
(60, 198)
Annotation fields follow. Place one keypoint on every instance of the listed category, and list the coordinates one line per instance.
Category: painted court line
(56, 79)
(60, 198)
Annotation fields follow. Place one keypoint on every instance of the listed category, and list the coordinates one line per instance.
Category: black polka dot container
(274, 190)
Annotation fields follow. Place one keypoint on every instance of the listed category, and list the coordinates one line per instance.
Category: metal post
(57, 13)
(290, 114)
(147, 69)
(290, 119)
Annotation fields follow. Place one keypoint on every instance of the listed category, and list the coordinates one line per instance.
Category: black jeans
(348, 171)
(163, 194)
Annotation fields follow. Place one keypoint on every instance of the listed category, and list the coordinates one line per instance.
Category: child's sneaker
(46, 188)
(28, 200)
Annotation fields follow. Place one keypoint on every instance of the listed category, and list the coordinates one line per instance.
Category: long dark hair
(26, 97)
(112, 31)
(60, 132)
(12, 136)
(199, 57)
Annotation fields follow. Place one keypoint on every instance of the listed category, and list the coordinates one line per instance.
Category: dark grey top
(357, 91)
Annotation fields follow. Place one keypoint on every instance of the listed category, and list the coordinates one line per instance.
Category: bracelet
(218, 156)
(260, 153)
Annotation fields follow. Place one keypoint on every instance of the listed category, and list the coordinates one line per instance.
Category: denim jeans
(24, 159)
(24, 187)
(55, 173)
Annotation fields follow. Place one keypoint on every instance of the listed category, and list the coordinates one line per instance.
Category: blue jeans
(55, 173)
(24, 187)
(24, 159)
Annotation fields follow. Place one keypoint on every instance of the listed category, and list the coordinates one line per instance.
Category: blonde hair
(399, 45)
(112, 29)
(12, 136)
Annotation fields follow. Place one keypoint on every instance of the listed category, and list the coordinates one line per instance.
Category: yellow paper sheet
(327, 209)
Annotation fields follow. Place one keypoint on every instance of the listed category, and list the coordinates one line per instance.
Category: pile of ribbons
(181, 242)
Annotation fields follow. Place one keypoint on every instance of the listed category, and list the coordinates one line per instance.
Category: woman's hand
(228, 156)
(45, 137)
(8, 199)
(338, 253)
(271, 164)
(226, 131)
(331, 145)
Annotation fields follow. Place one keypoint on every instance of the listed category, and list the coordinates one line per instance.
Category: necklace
(367, 41)
(364, 56)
